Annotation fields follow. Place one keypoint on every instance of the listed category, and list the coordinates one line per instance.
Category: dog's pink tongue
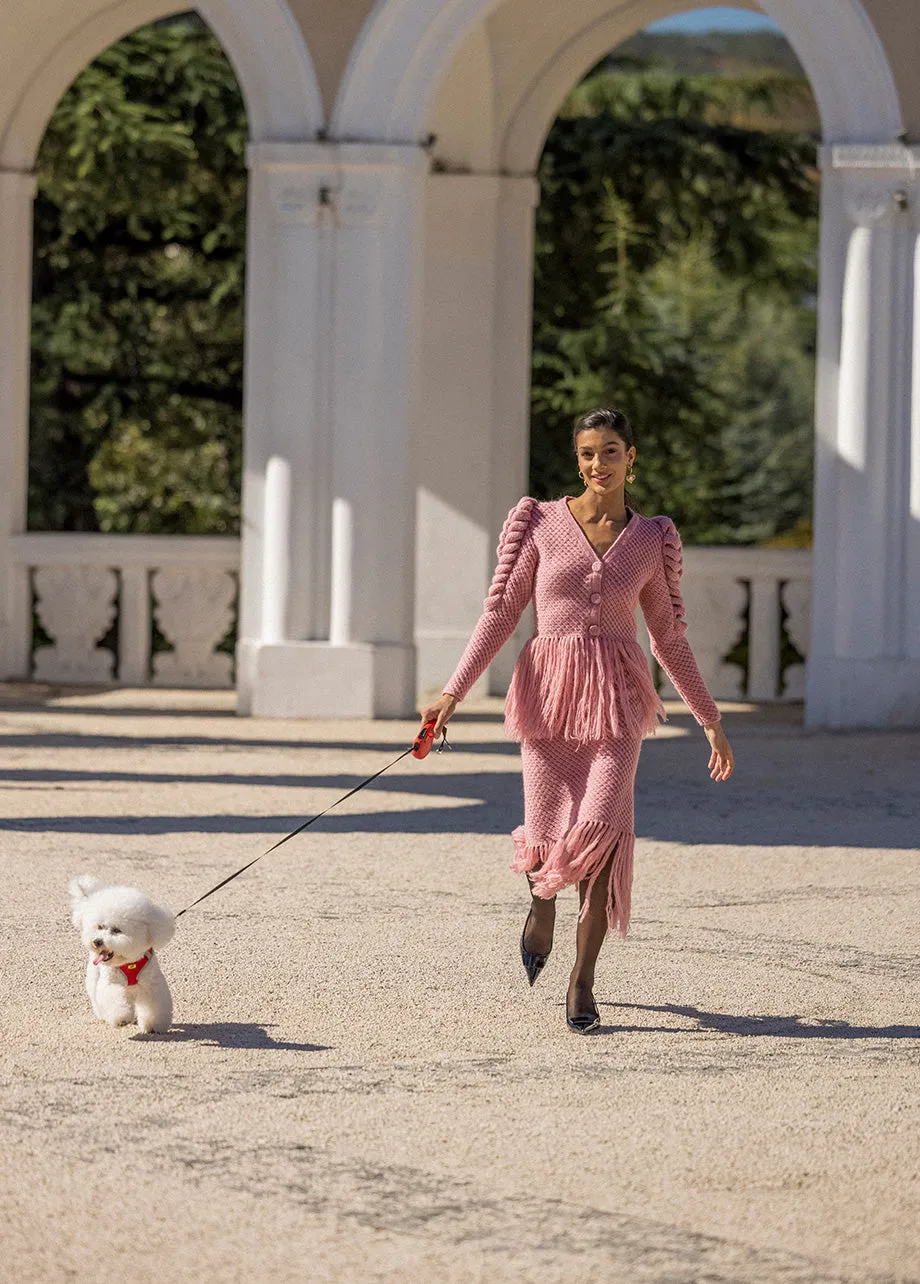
(100, 958)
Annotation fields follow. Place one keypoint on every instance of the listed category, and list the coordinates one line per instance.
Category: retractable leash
(420, 748)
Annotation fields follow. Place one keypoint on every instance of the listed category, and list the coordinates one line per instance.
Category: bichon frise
(121, 929)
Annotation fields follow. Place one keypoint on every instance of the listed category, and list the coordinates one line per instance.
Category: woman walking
(581, 698)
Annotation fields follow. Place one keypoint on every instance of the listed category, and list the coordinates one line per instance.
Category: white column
(860, 672)
(284, 582)
(471, 451)
(378, 207)
(17, 191)
(912, 543)
(332, 375)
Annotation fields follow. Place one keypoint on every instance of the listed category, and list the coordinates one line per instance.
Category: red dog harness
(133, 970)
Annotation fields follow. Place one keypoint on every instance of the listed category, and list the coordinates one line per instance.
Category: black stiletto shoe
(533, 963)
(584, 1023)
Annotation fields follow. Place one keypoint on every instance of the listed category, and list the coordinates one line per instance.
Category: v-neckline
(584, 534)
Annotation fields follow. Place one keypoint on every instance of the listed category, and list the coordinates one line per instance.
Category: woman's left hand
(721, 760)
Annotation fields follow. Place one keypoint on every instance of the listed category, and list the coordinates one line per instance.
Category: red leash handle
(421, 745)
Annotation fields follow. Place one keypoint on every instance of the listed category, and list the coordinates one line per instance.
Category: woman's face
(603, 459)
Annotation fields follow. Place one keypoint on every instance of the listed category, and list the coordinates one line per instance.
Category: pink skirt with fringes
(578, 818)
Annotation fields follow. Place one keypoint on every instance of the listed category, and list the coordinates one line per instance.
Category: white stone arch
(260, 38)
(864, 665)
(41, 55)
(404, 49)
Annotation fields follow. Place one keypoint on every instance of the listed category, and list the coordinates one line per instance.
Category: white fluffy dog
(121, 929)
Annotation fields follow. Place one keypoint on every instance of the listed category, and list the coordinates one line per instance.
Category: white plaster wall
(453, 439)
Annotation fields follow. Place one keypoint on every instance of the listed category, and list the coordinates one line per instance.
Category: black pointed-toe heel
(584, 1023)
(533, 963)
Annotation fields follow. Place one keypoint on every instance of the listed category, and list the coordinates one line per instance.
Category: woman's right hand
(440, 712)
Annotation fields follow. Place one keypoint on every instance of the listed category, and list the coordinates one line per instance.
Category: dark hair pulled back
(604, 417)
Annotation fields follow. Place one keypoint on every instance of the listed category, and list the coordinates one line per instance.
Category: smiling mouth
(103, 956)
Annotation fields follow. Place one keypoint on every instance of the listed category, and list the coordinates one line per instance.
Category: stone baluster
(194, 611)
(796, 596)
(76, 606)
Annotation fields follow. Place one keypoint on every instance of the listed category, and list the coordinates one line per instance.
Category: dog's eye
(116, 931)
(100, 927)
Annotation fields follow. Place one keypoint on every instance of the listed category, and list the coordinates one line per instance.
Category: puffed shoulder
(509, 546)
(672, 555)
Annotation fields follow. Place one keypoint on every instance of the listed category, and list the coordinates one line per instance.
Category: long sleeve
(663, 609)
(509, 593)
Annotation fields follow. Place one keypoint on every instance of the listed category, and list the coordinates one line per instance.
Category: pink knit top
(583, 673)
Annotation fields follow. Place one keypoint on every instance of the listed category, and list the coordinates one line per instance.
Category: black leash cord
(299, 830)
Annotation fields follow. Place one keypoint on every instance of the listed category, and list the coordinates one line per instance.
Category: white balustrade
(186, 588)
(722, 586)
(82, 584)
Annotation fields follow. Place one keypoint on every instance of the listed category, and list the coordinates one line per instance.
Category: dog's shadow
(231, 1034)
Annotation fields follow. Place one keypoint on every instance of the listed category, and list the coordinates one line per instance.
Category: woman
(582, 697)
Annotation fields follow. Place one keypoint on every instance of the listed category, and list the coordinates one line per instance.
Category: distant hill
(748, 58)
(730, 53)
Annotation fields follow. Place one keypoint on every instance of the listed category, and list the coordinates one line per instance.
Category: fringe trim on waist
(582, 854)
(573, 687)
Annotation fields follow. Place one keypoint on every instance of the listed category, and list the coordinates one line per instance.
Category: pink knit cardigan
(583, 671)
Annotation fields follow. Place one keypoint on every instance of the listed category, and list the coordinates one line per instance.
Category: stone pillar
(860, 669)
(17, 191)
(284, 587)
(331, 396)
(471, 452)
(912, 543)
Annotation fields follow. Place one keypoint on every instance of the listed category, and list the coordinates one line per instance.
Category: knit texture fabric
(582, 696)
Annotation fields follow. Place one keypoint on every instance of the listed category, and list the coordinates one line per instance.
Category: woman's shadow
(231, 1034)
(777, 1027)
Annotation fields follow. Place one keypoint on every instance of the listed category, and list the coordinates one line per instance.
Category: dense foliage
(137, 318)
(675, 276)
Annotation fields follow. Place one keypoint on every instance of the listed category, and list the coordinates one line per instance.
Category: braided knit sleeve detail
(510, 591)
(509, 546)
(673, 557)
(663, 608)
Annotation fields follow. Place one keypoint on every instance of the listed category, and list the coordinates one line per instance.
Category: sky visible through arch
(716, 18)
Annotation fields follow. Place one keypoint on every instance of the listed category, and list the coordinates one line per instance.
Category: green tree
(138, 292)
(675, 277)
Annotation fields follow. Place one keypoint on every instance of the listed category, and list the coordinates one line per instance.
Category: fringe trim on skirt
(582, 854)
(583, 689)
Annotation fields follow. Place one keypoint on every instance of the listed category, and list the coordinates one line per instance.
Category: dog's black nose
(97, 941)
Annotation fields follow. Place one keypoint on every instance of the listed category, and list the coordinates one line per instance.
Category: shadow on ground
(777, 1027)
(231, 1034)
(790, 788)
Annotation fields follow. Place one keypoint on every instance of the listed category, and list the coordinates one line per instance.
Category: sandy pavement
(360, 1086)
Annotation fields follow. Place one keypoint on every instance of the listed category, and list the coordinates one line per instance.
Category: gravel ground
(360, 1086)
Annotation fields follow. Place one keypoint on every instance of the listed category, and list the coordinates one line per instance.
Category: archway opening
(676, 274)
(137, 315)
(137, 365)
